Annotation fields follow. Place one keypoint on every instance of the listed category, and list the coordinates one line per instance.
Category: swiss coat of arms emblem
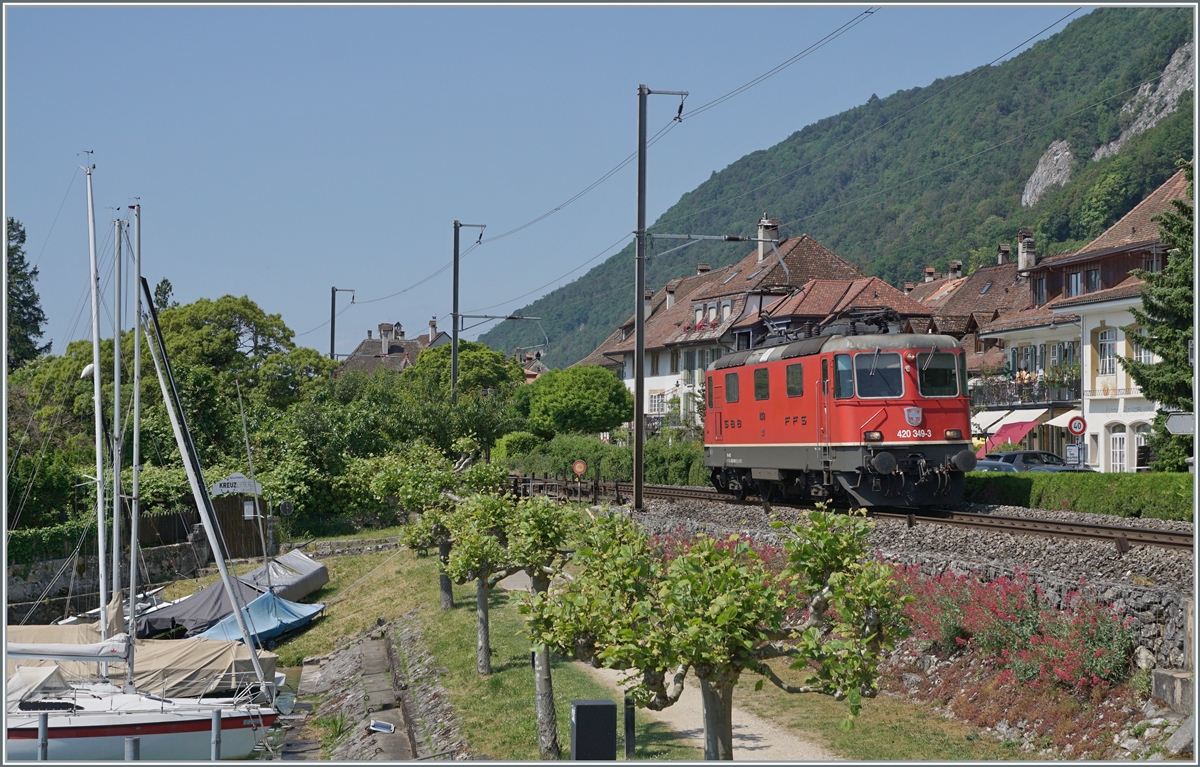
(913, 416)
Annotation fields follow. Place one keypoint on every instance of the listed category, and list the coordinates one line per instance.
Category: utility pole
(333, 314)
(454, 318)
(639, 302)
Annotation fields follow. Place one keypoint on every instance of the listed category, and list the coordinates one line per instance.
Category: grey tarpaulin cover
(197, 613)
(293, 576)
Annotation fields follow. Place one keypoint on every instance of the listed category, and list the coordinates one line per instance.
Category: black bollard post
(43, 737)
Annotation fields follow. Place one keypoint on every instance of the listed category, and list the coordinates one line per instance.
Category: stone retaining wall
(27, 583)
(1159, 615)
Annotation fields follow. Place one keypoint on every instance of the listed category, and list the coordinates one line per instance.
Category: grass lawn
(886, 728)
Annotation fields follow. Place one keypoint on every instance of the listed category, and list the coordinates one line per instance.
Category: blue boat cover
(267, 617)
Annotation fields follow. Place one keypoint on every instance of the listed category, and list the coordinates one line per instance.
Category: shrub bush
(29, 545)
(1153, 495)
(515, 445)
(668, 462)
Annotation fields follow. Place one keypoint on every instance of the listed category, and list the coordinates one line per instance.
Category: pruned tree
(495, 538)
(716, 611)
(419, 479)
(25, 316)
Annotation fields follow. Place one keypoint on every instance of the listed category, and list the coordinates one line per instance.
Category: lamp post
(639, 302)
(454, 316)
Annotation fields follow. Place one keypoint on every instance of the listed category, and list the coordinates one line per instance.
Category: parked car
(986, 465)
(1032, 460)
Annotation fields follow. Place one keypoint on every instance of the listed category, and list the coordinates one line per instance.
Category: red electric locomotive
(867, 420)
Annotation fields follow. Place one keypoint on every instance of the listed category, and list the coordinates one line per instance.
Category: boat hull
(165, 736)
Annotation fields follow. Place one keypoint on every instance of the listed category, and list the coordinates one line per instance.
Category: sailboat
(89, 721)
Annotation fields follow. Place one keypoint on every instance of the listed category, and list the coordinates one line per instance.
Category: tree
(25, 315)
(162, 295)
(718, 611)
(478, 367)
(1164, 327)
(584, 398)
(495, 538)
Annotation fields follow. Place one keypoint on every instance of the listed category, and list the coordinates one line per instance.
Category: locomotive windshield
(878, 374)
(937, 374)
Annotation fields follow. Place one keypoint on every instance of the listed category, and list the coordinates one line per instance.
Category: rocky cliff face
(1157, 99)
(1054, 169)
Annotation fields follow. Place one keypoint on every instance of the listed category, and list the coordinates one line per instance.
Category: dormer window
(1039, 291)
(712, 312)
(1093, 280)
(699, 313)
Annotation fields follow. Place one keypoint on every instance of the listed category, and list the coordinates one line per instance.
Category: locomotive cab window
(762, 384)
(878, 374)
(795, 380)
(731, 387)
(937, 374)
(962, 375)
(843, 376)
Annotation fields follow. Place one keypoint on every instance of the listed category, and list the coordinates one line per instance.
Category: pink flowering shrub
(1081, 647)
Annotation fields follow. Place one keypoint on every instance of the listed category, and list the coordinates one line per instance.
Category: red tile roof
(1128, 288)
(1028, 318)
(937, 292)
(806, 260)
(1136, 228)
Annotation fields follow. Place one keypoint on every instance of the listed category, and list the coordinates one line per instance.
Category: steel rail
(1123, 536)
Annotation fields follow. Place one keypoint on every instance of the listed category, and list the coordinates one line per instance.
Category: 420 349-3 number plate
(914, 433)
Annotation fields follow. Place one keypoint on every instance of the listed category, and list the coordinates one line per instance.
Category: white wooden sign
(236, 483)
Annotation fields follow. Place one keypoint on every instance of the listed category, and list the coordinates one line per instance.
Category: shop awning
(1065, 418)
(1012, 428)
(982, 421)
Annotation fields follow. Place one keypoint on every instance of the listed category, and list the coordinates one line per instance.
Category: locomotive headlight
(910, 357)
(953, 433)
(872, 436)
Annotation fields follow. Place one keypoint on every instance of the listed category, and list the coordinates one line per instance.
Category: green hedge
(667, 462)
(1155, 495)
(37, 544)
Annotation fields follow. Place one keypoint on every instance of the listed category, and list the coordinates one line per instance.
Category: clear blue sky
(280, 151)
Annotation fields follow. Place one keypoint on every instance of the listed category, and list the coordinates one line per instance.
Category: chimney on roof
(703, 268)
(768, 229)
(1026, 254)
(908, 287)
(649, 300)
(929, 274)
(1002, 254)
(670, 297)
(398, 331)
(368, 335)
(955, 270)
(385, 332)
(432, 328)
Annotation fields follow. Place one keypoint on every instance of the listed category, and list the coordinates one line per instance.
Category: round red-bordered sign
(579, 467)
(1077, 425)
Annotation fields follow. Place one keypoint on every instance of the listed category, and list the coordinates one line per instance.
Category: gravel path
(754, 739)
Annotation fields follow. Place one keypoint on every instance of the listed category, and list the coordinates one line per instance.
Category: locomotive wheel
(739, 493)
(715, 478)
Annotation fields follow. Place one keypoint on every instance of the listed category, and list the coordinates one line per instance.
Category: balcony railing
(1001, 391)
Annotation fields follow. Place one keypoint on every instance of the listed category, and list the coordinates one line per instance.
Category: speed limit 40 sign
(1077, 425)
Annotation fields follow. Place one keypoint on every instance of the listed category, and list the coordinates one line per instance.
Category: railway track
(1123, 537)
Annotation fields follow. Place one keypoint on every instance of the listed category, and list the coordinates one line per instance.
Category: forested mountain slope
(894, 192)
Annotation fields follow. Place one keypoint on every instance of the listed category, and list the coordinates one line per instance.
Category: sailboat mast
(192, 468)
(116, 416)
(137, 442)
(96, 394)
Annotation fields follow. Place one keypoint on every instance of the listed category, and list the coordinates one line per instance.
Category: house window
(1055, 354)
(731, 387)
(653, 363)
(1093, 280)
(985, 288)
(715, 354)
(1039, 291)
(674, 360)
(1116, 454)
(726, 308)
(1108, 351)
(1073, 284)
(762, 383)
(1141, 438)
(1141, 353)
(699, 314)
(712, 312)
(657, 403)
(795, 380)
(1153, 262)
(689, 360)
